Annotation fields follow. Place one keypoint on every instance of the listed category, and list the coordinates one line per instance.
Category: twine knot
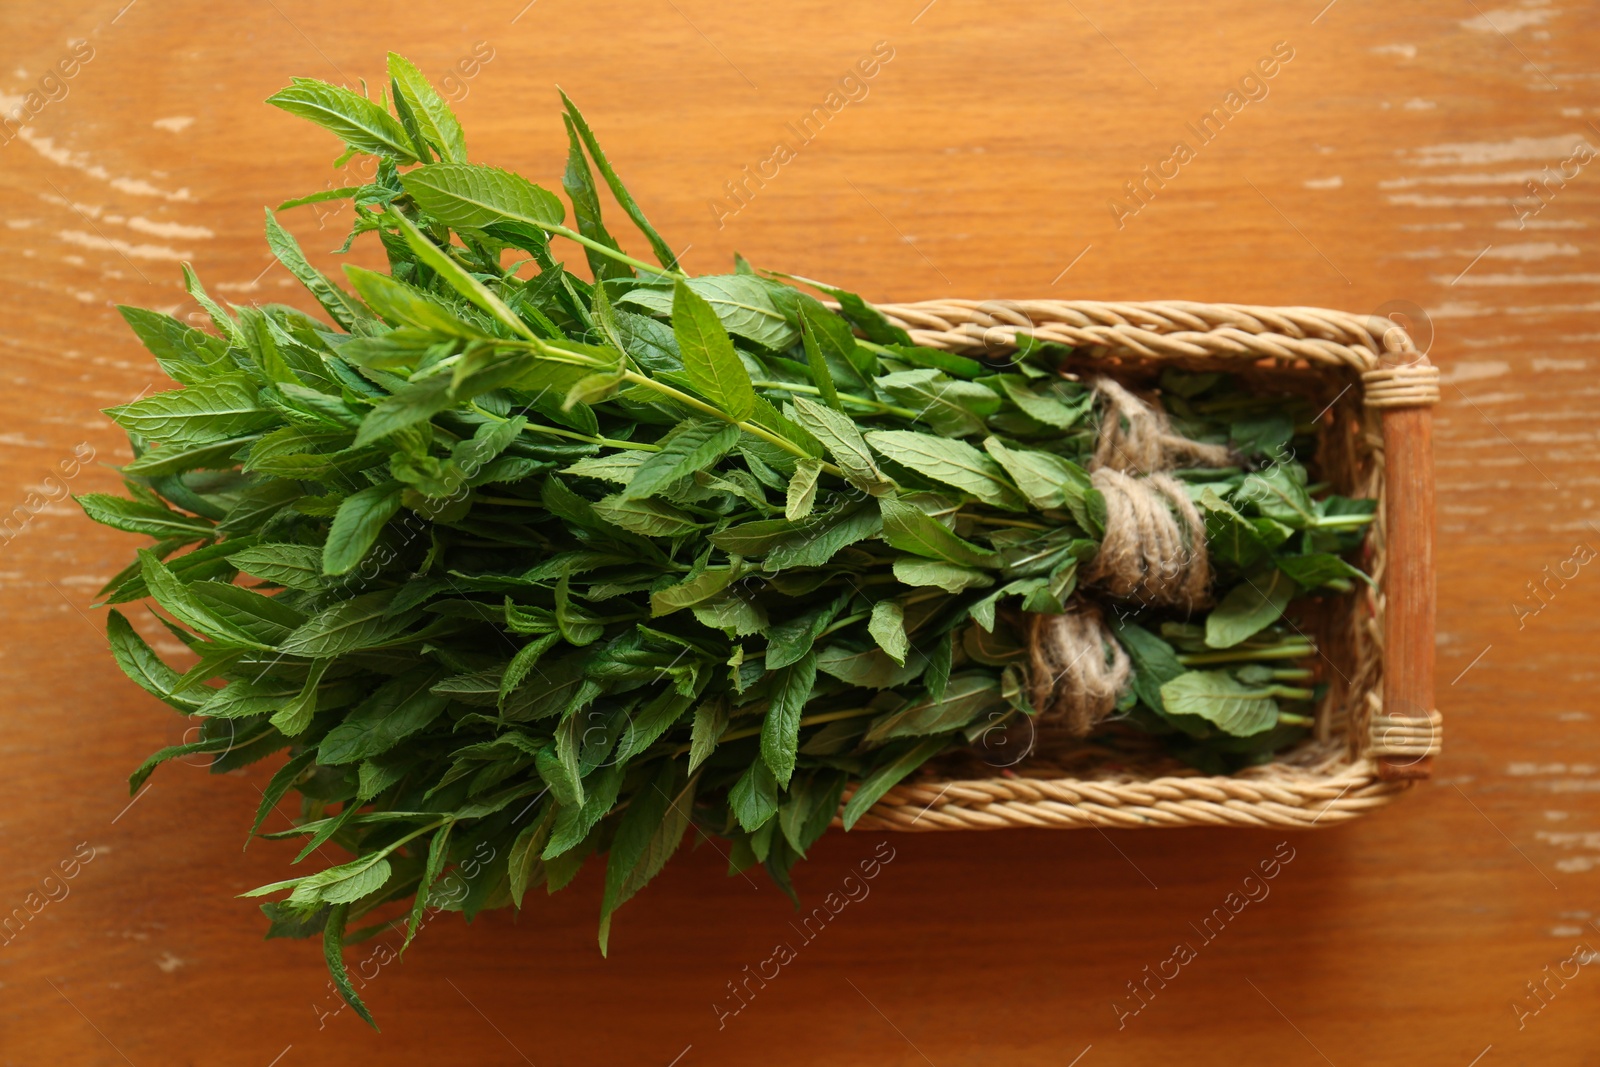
(1153, 551)
(1077, 668)
(1137, 436)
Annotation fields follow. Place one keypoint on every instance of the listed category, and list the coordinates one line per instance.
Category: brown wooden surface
(1379, 169)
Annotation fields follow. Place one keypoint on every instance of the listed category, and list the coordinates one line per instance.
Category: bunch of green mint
(509, 557)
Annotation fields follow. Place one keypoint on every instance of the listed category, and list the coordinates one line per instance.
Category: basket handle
(1405, 736)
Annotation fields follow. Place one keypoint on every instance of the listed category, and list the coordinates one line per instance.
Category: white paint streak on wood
(98, 213)
(1514, 177)
(1473, 153)
(78, 161)
(1419, 200)
(1526, 769)
(1528, 251)
(170, 229)
(1509, 20)
(1486, 280)
(127, 248)
(1458, 309)
(1556, 309)
(1474, 371)
(1541, 224)
(1570, 840)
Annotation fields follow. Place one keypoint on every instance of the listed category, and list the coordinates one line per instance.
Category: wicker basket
(1376, 730)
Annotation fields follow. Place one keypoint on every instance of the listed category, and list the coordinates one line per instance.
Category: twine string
(1153, 552)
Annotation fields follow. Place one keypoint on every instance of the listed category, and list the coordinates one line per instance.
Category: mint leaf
(476, 197)
(356, 526)
(709, 361)
(886, 777)
(954, 463)
(910, 529)
(438, 123)
(345, 311)
(1217, 698)
(1249, 608)
(200, 414)
(355, 120)
(692, 446)
(662, 250)
(780, 731)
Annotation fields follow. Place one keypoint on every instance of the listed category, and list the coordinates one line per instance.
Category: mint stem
(604, 442)
(1247, 655)
(606, 250)
(811, 390)
(748, 427)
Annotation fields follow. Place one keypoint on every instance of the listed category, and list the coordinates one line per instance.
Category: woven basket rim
(1388, 370)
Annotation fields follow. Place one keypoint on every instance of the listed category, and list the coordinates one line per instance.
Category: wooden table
(1378, 167)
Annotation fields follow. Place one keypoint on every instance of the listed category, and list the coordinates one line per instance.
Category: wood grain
(1380, 170)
